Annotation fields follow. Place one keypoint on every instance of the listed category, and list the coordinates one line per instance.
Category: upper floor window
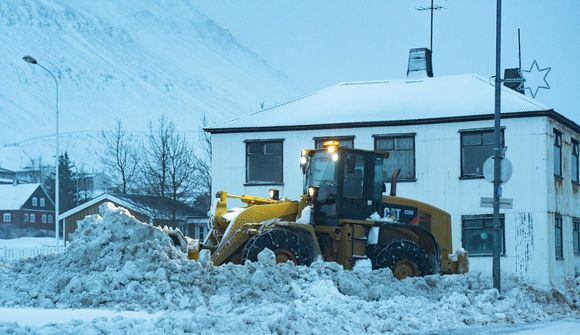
(558, 245)
(575, 160)
(344, 141)
(401, 150)
(7, 217)
(264, 161)
(478, 234)
(476, 147)
(34, 201)
(557, 153)
(576, 235)
(42, 203)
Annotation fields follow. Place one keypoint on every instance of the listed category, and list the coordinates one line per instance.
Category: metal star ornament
(536, 77)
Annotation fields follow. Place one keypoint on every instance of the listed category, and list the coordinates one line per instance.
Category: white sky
(323, 42)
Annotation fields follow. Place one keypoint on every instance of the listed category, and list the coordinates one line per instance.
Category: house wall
(529, 233)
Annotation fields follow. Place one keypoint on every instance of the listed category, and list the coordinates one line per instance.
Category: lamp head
(30, 59)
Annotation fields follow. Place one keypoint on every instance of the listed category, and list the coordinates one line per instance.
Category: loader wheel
(405, 258)
(286, 245)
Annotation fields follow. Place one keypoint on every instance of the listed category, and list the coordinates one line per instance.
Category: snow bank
(116, 262)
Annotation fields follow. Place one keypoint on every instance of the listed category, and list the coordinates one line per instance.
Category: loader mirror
(274, 194)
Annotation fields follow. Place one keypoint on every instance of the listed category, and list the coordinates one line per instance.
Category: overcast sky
(318, 43)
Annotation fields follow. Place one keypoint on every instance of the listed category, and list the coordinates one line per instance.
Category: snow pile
(117, 262)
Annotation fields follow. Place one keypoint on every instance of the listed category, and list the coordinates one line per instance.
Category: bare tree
(203, 161)
(170, 169)
(120, 158)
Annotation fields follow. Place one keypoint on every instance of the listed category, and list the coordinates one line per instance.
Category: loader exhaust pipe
(394, 182)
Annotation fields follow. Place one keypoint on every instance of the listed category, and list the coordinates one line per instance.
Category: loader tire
(286, 245)
(405, 258)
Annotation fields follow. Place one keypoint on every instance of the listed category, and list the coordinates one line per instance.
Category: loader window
(322, 174)
(354, 176)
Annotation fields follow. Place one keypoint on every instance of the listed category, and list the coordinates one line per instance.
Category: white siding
(529, 231)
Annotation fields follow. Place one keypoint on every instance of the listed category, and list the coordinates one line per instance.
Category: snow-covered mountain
(132, 60)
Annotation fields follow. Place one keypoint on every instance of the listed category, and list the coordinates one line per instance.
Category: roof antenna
(431, 8)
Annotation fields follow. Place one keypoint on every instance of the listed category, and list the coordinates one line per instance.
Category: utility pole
(498, 153)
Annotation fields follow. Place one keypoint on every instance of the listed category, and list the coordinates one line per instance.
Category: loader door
(356, 202)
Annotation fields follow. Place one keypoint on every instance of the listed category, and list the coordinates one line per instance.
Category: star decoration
(535, 78)
(483, 236)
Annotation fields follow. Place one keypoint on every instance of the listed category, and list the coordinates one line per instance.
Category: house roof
(151, 206)
(370, 103)
(13, 197)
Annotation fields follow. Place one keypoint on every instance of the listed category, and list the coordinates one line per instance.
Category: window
(26, 217)
(41, 202)
(264, 162)
(200, 233)
(34, 201)
(575, 166)
(557, 153)
(558, 237)
(478, 235)
(401, 150)
(576, 235)
(32, 218)
(7, 217)
(49, 218)
(345, 141)
(476, 147)
(354, 176)
(43, 219)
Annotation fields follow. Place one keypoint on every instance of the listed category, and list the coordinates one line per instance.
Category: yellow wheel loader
(342, 217)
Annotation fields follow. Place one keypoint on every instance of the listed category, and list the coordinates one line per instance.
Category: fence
(14, 254)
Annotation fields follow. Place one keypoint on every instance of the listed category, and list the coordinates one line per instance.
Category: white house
(439, 132)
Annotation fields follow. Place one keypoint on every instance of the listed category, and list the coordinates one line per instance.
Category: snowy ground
(28, 242)
(116, 265)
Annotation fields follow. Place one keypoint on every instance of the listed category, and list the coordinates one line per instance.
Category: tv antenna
(431, 8)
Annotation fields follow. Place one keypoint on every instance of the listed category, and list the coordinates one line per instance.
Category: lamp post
(31, 60)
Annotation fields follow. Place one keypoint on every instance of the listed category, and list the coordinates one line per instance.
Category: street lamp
(31, 60)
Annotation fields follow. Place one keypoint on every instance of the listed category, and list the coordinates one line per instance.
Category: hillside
(131, 60)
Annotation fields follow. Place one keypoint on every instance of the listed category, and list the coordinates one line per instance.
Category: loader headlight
(274, 194)
(303, 160)
(334, 157)
(313, 192)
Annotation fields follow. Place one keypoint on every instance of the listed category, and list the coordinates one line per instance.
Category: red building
(26, 205)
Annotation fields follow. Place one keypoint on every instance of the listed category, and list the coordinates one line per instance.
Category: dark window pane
(473, 159)
(255, 148)
(353, 180)
(404, 143)
(385, 144)
(557, 161)
(478, 235)
(558, 237)
(576, 236)
(472, 139)
(473, 223)
(273, 148)
(489, 138)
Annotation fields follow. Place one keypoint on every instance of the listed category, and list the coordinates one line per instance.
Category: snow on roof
(12, 197)
(390, 100)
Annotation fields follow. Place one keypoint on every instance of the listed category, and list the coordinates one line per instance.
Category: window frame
(479, 131)
(483, 217)
(32, 218)
(558, 137)
(26, 218)
(50, 219)
(7, 217)
(575, 156)
(378, 137)
(264, 183)
(322, 139)
(43, 218)
(42, 202)
(559, 221)
(34, 201)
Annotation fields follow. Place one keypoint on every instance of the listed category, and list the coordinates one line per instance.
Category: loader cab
(342, 183)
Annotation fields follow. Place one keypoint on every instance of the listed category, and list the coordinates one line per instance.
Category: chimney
(419, 64)
(513, 79)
